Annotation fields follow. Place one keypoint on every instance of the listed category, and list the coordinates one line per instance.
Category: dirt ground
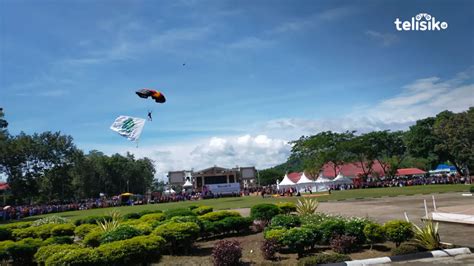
(251, 254)
(379, 209)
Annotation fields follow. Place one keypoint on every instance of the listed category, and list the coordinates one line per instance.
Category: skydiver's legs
(149, 116)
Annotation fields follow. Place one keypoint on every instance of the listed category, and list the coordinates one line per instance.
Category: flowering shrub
(50, 220)
(269, 247)
(226, 253)
(343, 243)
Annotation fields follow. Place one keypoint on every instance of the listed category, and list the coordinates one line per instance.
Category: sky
(241, 78)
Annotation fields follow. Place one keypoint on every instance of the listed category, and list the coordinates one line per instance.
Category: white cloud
(386, 39)
(338, 13)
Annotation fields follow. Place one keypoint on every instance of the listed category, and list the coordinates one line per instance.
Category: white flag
(130, 127)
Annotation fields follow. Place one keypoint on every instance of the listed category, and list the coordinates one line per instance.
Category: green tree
(388, 149)
(456, 132)
(322, 148)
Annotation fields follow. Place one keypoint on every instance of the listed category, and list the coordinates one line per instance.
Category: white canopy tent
(322, 183)
(342, 180)
(286, 183)
(304, 180)
(169, 191)
(187, 184)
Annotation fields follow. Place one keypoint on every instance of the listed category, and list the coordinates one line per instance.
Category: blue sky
(257, 73)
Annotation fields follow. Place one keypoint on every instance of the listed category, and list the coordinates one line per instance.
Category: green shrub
(140, 249)
(374, 233)
(17, 225)
(218, 215)
(131, 216)
(264, 211)
(404, 249)
(22, 252)
(42, 231)
(201, 210)
(330, 228)
(178, 235)
(152, 217)
(92, 219)
(5, 234)
(471, 189)
(50, 220)
(298, 238)
(398, 231)
(355, 227)
(192, 207)
(184, 219)
(234, 224)
(149, 211)
(120, 233)
(284, 220)
(92, 239)
(4, 245)
(45, 252)
(286, 207)
(323, 258)
(178, 212)
(75, 257)
(145, 228)
(316, 233)
(63, 230)
(58, 240)
(277, 234)
(84, 229)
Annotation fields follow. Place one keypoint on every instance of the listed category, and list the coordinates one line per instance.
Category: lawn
(247, 202)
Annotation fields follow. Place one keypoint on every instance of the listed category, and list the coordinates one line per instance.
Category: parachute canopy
(155, 95)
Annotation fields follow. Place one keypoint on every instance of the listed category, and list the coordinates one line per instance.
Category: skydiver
(149, 116)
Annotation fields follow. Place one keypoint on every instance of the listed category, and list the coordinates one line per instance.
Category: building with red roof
(4, 186)
(410, 172)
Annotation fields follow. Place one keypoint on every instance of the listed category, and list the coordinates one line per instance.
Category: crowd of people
(22, 211)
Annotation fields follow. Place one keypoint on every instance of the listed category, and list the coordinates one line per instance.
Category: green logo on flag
(128, 125)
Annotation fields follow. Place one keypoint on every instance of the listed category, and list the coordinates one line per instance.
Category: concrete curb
(415, 256)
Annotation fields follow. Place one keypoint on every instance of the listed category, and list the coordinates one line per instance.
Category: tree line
(48, 167)
(446, 138)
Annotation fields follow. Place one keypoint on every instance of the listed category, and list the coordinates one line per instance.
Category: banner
(129, 127)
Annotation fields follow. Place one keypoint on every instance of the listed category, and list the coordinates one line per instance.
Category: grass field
(247, 202)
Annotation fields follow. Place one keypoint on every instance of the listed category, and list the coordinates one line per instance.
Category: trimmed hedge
(355, 227)
(42, 231)
(218, 215)
(398, 231)
(264, 211)
(201, 210)
(120, 233)
(178, 236)
(58, 240)
(178, 212)
(82, 230)
(63, 230)
(5, 234)
(285, 220)
(22, 252)
(286, 207)
(45, 252)
(298, 238)
(152, 217)
(277, 234)
(92, 239)
(404, 249)
(140, 249)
